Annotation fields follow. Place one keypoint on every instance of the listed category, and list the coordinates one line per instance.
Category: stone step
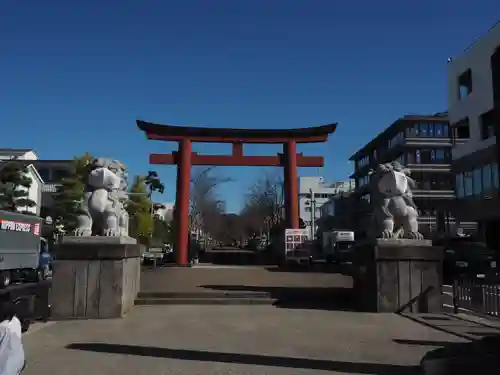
(203, 301)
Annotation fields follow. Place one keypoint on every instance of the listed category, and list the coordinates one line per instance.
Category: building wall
(475, 163)
(35, 190)
(17, 154)
(423, 144)
(321, 193)
(52, 172)
(166, 213)
(477, 58)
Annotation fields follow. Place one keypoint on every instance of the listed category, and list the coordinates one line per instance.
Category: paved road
(206, 279)
(232, 340)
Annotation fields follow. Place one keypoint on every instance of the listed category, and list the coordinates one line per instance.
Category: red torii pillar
(291, 185)
(182, 201)
(184, 158)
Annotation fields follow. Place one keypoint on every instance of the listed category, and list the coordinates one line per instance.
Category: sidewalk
(233, 340)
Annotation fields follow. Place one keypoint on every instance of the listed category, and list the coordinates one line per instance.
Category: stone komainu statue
(394, 209)
(102, 209)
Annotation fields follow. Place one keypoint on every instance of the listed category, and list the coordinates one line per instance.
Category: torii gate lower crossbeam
(185, 158)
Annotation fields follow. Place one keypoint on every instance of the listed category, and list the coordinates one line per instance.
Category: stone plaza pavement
(205, 340)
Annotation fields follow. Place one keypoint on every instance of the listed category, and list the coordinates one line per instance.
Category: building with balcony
(313, 194)
(52, 172)
(26, 157)
(474, 110)
(423, 144)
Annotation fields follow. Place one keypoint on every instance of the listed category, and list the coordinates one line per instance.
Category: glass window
(494, 175)
(416, 130)
(59, 174)
(44, 174)
(446, 131)
(438, 130)
(459, 185)
(431, 130)
(487, 177)
(425, 183)
(410, 157)
(440, 154)
(468, 184)
(425, 156)
(477, 181)
(423, 128)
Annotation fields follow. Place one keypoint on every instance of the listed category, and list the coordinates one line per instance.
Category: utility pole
(313, 214)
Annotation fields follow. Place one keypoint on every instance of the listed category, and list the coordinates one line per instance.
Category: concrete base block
(398, 275)
(95, 277)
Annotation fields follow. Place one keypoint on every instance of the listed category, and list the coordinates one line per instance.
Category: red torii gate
(184, 158)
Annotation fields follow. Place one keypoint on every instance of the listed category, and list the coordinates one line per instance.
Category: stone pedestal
(95, 277)
(398, 275)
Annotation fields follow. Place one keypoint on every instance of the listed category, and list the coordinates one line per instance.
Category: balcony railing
(50, 188)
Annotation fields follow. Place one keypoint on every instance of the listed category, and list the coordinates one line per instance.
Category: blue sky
(75, 75)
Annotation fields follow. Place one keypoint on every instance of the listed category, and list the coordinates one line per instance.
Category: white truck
(337, 246)
(21, 248)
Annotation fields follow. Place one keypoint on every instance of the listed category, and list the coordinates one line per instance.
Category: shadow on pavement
(236, 257)
(442, 328)
(423, 342)
(476, 357)
(248, 359)
(314, 268)
(320, 298)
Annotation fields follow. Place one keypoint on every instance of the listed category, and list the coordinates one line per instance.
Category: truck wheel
(39, 275)
(4, 279)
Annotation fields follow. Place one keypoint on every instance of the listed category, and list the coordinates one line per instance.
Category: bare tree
(204, 205)
(265, 202)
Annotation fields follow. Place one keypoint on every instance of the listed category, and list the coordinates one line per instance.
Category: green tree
(14, 186)
(162, 232)
(70, 193)
(139, 207)
(153, 183)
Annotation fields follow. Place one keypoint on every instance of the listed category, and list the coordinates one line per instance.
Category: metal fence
(479, 295)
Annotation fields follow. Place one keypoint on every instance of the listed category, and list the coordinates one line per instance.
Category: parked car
(152, 256)
(465, 256)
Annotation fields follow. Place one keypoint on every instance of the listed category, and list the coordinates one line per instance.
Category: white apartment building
(313, 194)
(473, 111)
(25, 156)
(166, 211)
(329, 208)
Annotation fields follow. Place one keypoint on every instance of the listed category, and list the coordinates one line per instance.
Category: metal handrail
(477, 295)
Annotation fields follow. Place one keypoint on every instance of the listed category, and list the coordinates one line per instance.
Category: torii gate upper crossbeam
(184, 158)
